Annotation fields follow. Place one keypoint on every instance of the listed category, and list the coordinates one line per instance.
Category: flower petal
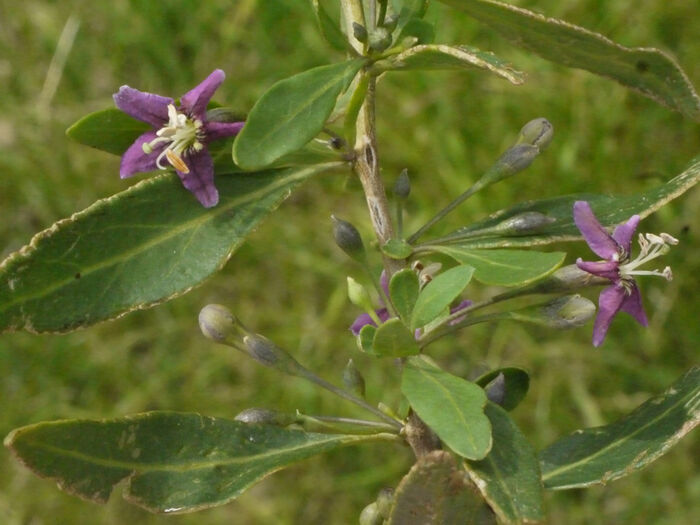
(605, 269)
(146, 107)
(461, 306)
(364, 319)
(221, 130)
(609, 303)
(195, 100)
(200, 179)
(632, 304)
(596, 236)
(135, 160)
(624, 232)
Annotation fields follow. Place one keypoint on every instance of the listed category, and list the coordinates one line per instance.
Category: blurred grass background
(289, 281)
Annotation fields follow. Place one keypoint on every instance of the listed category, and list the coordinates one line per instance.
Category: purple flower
(623, 293)
(179, 136)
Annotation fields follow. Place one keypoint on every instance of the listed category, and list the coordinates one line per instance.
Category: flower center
(652, 246)
(181, 134)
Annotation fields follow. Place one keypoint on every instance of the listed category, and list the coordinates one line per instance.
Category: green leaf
(291, 113)
(403, 290)
(397, 249)
(451, 406)
(109, 130)
(366, 337)
(598, 455)
(421, 29)
(439, 293)
(394, 339)
(610, 210)
(509, 477)
(453, 57)
(138, 248)
(505, 267)
(515, 382)
(173, 462)
(646, 70)
(435, 491)
(329, 27)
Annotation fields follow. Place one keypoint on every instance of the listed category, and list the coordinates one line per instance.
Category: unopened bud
(385, 500)
(516, 159)
(402, 186)
(566, 279)
(359, 32)
(269, 354)
(496, 390)
(562, 313)
(380, 39)
(348, 238)
(265, 417)
(353, 380)
(218, 324)
(537, 132)
(370, 515)
(391, 21)
(525, 223)
(358, 295)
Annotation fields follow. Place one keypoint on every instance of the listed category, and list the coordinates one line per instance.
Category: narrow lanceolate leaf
(174, 462)
(505, 267)
(329, 27)
(611, 210)
(291, 113)
(509, 477)
(135, 249)
(647, 70)
(437, 492)
(439, 293)
(453, 57)
(451, 406)
(598, 455)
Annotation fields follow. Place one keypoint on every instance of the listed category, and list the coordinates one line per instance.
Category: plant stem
(333, 422)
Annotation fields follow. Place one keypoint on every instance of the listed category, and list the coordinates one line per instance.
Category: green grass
(289, 281)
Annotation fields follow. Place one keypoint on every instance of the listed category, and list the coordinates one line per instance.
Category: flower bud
(265, 417)
(380, 39)
(358, 295)
(402, 186)
(370, 515)
(218, 324)
(269, 354)
(353, 380)
(385, 500)
(496, 390)
(537, 132)
(391, 21)
(567, 279)
(524, 223)
(517, 158)
(348, 239)
(564, 312)
(359, 32)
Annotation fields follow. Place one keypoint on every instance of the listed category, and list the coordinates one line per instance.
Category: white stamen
(183, 134)
(652, 246)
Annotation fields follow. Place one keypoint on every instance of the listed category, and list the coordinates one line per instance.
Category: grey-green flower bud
(402, 186)
(218, 324)
(370, 515)
(517, 158)
(567, 279)
(524, 223)
(391, 21)
(537, 132)
(360, 32)
(380, 39)
(353, 380)
(269, 354)
(265, 417)
(385, 499)
(348, 239)
(564, 312)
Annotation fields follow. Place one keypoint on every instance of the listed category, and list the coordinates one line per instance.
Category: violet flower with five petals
(623, 294)
(180, 136)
